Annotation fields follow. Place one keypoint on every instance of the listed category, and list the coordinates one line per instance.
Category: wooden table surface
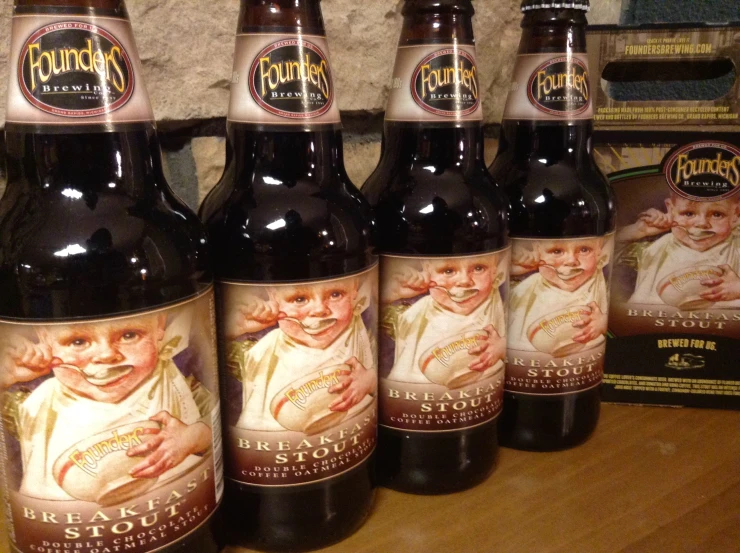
(651, 480)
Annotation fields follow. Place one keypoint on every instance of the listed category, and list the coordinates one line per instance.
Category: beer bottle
(108, 367)
(562, 220)
(297, 282)
(442, 236)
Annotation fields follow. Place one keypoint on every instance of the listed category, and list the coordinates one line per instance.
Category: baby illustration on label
(106, 375)
(317, 329)
(457, 322)
(695, 262)
(561, 305)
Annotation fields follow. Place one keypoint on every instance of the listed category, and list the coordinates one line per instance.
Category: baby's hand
(174, 443)
(407, 283)
(650, 223)
(656, 219)
(724, 288)
(489, 351)
(252, 316)
(524, 261)
(23, 361)
(354, 387)
(592, 326)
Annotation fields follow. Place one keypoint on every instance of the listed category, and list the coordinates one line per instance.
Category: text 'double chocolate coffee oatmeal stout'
(111, 435)
(291, 239)
(562, 222)
(444, 262)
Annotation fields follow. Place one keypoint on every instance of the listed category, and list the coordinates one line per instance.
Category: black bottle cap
(529, 5)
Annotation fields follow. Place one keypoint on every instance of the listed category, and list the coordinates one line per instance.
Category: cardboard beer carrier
(674, 163)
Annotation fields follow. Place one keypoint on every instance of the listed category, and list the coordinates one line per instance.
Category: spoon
(313, 329)
(697, 234)
(102, 377)
(462, 297)
(571, 274)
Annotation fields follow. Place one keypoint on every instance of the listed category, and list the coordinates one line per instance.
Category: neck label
(73, 70)
(433, 83)
(282, 80)
(550, 87)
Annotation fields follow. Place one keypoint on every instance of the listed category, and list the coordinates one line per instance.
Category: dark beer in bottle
(108, 368)
(442, 236)
(562, 221)
(297, 274)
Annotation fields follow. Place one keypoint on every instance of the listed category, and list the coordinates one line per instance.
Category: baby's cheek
(71, 380)
(144, 354)
(292, 329)
(722, 226)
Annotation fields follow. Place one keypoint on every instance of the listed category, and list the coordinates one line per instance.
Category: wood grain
(651, 480)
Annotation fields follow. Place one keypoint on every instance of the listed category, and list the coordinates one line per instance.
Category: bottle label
(282, 80)
(433, 83)
(75, 70)
(549, 87)
(443, 341)
(301, 368)
(559, 307)
(110, 429)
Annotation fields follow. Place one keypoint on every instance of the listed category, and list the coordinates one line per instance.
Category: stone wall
(187, 47)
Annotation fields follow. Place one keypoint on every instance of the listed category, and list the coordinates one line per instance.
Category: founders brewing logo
(291, 78)
(704, 171)
(560, 87)
(446, 83)
(74, 69)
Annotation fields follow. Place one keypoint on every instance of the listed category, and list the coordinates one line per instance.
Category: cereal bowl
(303, 405)
(553, 334)
(447, 363)
(97, 468)
(682, 288)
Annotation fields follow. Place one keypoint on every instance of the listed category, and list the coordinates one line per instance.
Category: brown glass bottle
(555, 191)
(285, 214)
(90, 232)
(434, 202)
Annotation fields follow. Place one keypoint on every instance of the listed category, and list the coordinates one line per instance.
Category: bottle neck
(437, 123)
(554, 142)
(281, 16)
(443, 148)
(90, 164)
(259, 157)
(553, 31)
(284, 123)
(539, 132)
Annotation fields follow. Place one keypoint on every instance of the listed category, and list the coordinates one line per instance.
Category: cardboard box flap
(656, 77)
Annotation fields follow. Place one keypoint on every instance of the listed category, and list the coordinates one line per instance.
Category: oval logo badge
(560, 87)
(445, 83)
(291, 78)
(74, 69)
(704, 171)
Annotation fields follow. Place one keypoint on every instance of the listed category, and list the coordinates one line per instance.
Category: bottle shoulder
(123, 252)
(555, 198)
(267, 229)
(425, 208)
